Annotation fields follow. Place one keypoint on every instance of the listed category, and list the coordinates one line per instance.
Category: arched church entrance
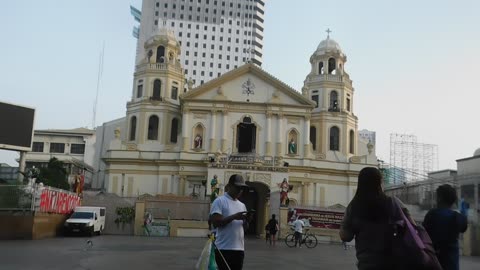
(246, 136)
(255, 198)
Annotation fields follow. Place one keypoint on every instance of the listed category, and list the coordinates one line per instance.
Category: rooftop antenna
(99, 78)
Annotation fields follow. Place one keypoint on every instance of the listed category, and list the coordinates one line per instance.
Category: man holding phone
(229, 216)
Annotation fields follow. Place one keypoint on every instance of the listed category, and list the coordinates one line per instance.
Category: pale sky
(413, 63)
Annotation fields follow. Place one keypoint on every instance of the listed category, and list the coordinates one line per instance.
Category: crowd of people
(386, 237)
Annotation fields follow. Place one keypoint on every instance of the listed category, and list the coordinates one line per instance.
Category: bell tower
(153, 113)
(334, 126)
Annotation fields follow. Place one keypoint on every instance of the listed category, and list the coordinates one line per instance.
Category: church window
(331, 66)
(313, 137)
(157, 89)
(153, 127)
(160, 54)
(139, 90)
(133, 128)
(315, 99)
(352, 142)
(247, 120)
(320, 68)
(348, 104)
(174, 92)
(334, 139)
(334, 102)
(174, 131)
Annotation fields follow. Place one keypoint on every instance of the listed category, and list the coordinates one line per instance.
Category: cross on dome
(328, 32)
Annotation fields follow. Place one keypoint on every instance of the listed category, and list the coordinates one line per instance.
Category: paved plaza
(126, 252)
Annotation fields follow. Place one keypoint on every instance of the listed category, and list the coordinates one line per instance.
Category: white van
(87, 219)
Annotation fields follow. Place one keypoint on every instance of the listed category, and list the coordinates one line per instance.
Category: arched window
(174, 131)
(153, 128)
(157, 89)
(334, 139)
(133, 128)
(320, 68)
(334, 102)
(352, 142)
(313, 137)
(247, 120)
(160, 54)
(331, 66)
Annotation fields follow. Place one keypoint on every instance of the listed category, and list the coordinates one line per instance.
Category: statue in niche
(198, 142)
(292, 147)
(284, 189)
(214, 188)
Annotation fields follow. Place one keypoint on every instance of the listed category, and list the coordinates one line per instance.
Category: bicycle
(309, 239)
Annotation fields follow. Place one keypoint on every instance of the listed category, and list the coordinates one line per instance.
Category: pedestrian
(229, 216)
(272, 229)
(267, 233)
(298, 225)
(367, 220)
(444, 225)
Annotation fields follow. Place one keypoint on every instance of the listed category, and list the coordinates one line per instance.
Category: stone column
(181, 186)
(280, 137)
(304, 193)
(185, 132)
(213, 141)
(268, 140)
(225, 131)
(306, 152)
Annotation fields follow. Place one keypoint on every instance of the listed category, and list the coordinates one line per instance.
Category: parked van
(87, 219)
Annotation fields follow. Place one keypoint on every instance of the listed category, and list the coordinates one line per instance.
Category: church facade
(176, 138)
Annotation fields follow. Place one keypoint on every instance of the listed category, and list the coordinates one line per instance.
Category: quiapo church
(179, 140)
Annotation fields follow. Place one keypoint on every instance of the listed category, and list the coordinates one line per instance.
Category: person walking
(272, 227)
(367, 220)
(298, 225)
(444, 225)
(229, 216)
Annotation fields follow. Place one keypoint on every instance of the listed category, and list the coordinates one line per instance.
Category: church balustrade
(331, 78)
(159, 66)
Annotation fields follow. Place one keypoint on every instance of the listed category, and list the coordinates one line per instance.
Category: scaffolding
(410, 156)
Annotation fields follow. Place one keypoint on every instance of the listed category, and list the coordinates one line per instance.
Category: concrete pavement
(128, 252)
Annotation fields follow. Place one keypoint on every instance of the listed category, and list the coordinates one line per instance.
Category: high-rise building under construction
(215, 35)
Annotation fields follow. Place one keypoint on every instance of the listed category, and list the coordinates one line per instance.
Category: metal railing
(16, 198)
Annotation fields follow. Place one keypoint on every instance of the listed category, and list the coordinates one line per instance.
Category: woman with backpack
(272, 229)
(367, 220)
(444, 225)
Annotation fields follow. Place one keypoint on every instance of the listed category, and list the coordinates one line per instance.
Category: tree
(54, 175)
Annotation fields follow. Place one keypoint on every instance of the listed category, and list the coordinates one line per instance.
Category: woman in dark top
(272, 227)
(367, 220)
(443, 225)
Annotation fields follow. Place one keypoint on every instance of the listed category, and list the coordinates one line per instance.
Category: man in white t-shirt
(298, 226)
(229, 216)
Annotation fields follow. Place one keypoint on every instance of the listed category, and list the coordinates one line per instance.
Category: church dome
(477, 153)
(328, 45)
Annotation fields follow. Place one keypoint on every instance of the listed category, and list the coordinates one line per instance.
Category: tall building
(215, 35)
(369, 136)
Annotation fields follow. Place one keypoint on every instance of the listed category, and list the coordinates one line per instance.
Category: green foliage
(54, 175)
(125, 215)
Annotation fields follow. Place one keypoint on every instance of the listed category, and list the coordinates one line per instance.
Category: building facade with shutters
(246, 122)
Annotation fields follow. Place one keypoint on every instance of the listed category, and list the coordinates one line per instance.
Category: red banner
(53, 201)
(317, 218)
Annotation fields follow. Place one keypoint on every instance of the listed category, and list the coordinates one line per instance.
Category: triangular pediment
(248, 83)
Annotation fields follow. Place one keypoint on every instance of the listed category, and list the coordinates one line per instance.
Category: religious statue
(117, 133)
(214, 187)
(197, 142)
(292, 147)
(284, 189)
